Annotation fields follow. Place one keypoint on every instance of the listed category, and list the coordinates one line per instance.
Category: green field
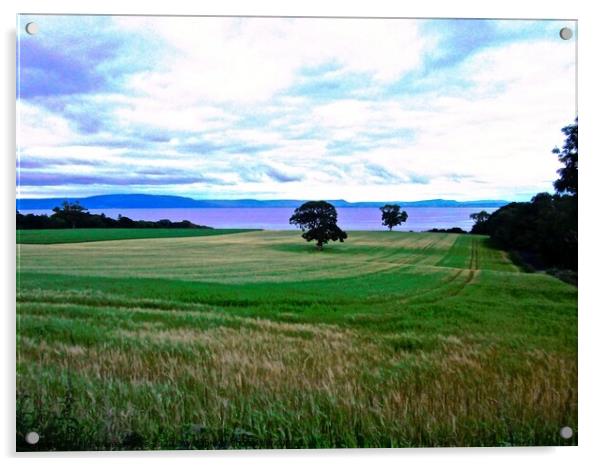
(259, 340)
(111, 234)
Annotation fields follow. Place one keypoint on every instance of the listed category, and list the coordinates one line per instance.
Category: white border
(590, 309)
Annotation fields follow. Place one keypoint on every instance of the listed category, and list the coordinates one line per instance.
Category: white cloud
(171, 116)
(250, 60)
(41, 128)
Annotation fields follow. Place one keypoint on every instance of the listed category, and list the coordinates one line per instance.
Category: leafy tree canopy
(480, 222)
(392, 215)
(70, 212)
(567, 183)
(318, 222)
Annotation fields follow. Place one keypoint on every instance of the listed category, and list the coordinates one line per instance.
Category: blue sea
(268, 218)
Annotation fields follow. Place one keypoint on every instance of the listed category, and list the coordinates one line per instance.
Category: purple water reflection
(350, 218)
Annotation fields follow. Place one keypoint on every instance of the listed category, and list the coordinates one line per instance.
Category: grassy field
(258, 340)
(111, 234)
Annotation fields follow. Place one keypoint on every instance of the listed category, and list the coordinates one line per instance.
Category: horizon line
(261, 200)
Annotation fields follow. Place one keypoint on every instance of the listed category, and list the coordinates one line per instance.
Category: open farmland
(110, 234)
(258, 340)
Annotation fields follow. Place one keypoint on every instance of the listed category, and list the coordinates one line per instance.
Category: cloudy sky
(292, 108)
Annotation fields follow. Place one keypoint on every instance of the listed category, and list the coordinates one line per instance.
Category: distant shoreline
(149, 201)
(476, 206)
(277, 218)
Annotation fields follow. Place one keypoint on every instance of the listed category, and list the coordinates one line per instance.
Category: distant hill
(151, 201)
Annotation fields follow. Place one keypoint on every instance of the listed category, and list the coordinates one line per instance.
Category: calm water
(350, 218)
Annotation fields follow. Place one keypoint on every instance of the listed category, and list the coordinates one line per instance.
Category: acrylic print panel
(295, 233)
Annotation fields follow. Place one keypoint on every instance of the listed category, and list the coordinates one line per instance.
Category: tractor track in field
(473, 270)
(424, 252)
(444, 284)
(473, 267)
(475, 261)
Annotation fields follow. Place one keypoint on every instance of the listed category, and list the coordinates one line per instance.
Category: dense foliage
(480, 222)
(567, 183)
(392, 215)
(544, 230)
(318, 221)
(74, 215)
(456, 230)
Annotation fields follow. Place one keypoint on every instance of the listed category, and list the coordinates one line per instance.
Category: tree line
(543, 231)
(74, 215)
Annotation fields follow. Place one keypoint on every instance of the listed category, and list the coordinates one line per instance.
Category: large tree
(392, 215)
(318, 222)
(480, 222)
(71, 212)
(567, 183)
